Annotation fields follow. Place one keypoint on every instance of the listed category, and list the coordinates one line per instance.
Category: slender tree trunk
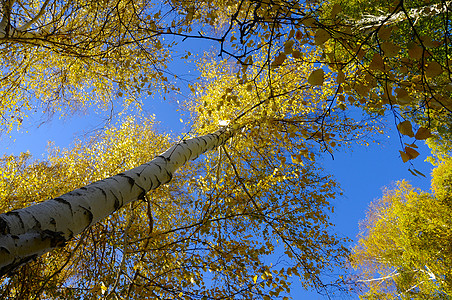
(30, 232)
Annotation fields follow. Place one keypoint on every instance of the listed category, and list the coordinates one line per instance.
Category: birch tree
(207, 234)
(32, 231)
(404, 246)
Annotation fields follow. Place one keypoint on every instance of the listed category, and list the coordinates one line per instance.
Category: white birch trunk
(22, 33)
(30, 232)
(371, 21)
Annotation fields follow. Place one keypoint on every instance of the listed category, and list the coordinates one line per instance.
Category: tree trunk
(30, 232)
(8, 32)
(370, 21)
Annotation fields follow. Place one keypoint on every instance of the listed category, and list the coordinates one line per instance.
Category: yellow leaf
(411, 145)
(433, 69)
(340, 77)
(405, 128)
(415, 51)
(411, 152)
(423, 133)
(429, 43)
(401, 93)
(385, 32)
(403, 98)
(288, 46)
(419, 173)
(336, 9)
(308, 21)
(389, 49)
(377, 63)
(255, 278)
(321, 36)
(279, 59)
(316, 77)
(298, 35)
(404, 156)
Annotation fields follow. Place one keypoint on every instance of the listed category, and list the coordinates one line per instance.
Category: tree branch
(33, 20)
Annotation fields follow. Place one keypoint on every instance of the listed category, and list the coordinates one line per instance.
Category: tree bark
(30, 232)
(369, 21)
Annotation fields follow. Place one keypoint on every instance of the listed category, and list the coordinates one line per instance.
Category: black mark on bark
(56, 238)
(61, 200)
(4, 228)
(88, 213)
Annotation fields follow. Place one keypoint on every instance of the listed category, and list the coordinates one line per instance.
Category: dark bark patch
(117, 204)
(88, 213)
(157, 181)
(61, 200)
(12, 268)
(170, 176)
(56, 238)
(4, 249)
(4, 228)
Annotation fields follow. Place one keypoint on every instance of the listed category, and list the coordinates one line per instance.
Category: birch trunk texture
(30, 232)
(370, 21)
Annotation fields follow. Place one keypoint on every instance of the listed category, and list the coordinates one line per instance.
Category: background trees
(404, 247)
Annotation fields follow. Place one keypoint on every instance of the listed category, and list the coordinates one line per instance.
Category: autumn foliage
(405, 243)
(291, 80)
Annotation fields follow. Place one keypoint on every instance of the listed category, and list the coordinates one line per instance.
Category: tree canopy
(292, 81)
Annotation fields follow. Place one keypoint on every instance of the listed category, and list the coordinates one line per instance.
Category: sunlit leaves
(90, 260)
(377, 63)
(395, 57)
(411, 152)
(274, 151)
(390, 49)
(75, 57)
(385, 32)
(404, 156)
(279, 60)
(301, 67)
(422, 133)
(404, 241)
